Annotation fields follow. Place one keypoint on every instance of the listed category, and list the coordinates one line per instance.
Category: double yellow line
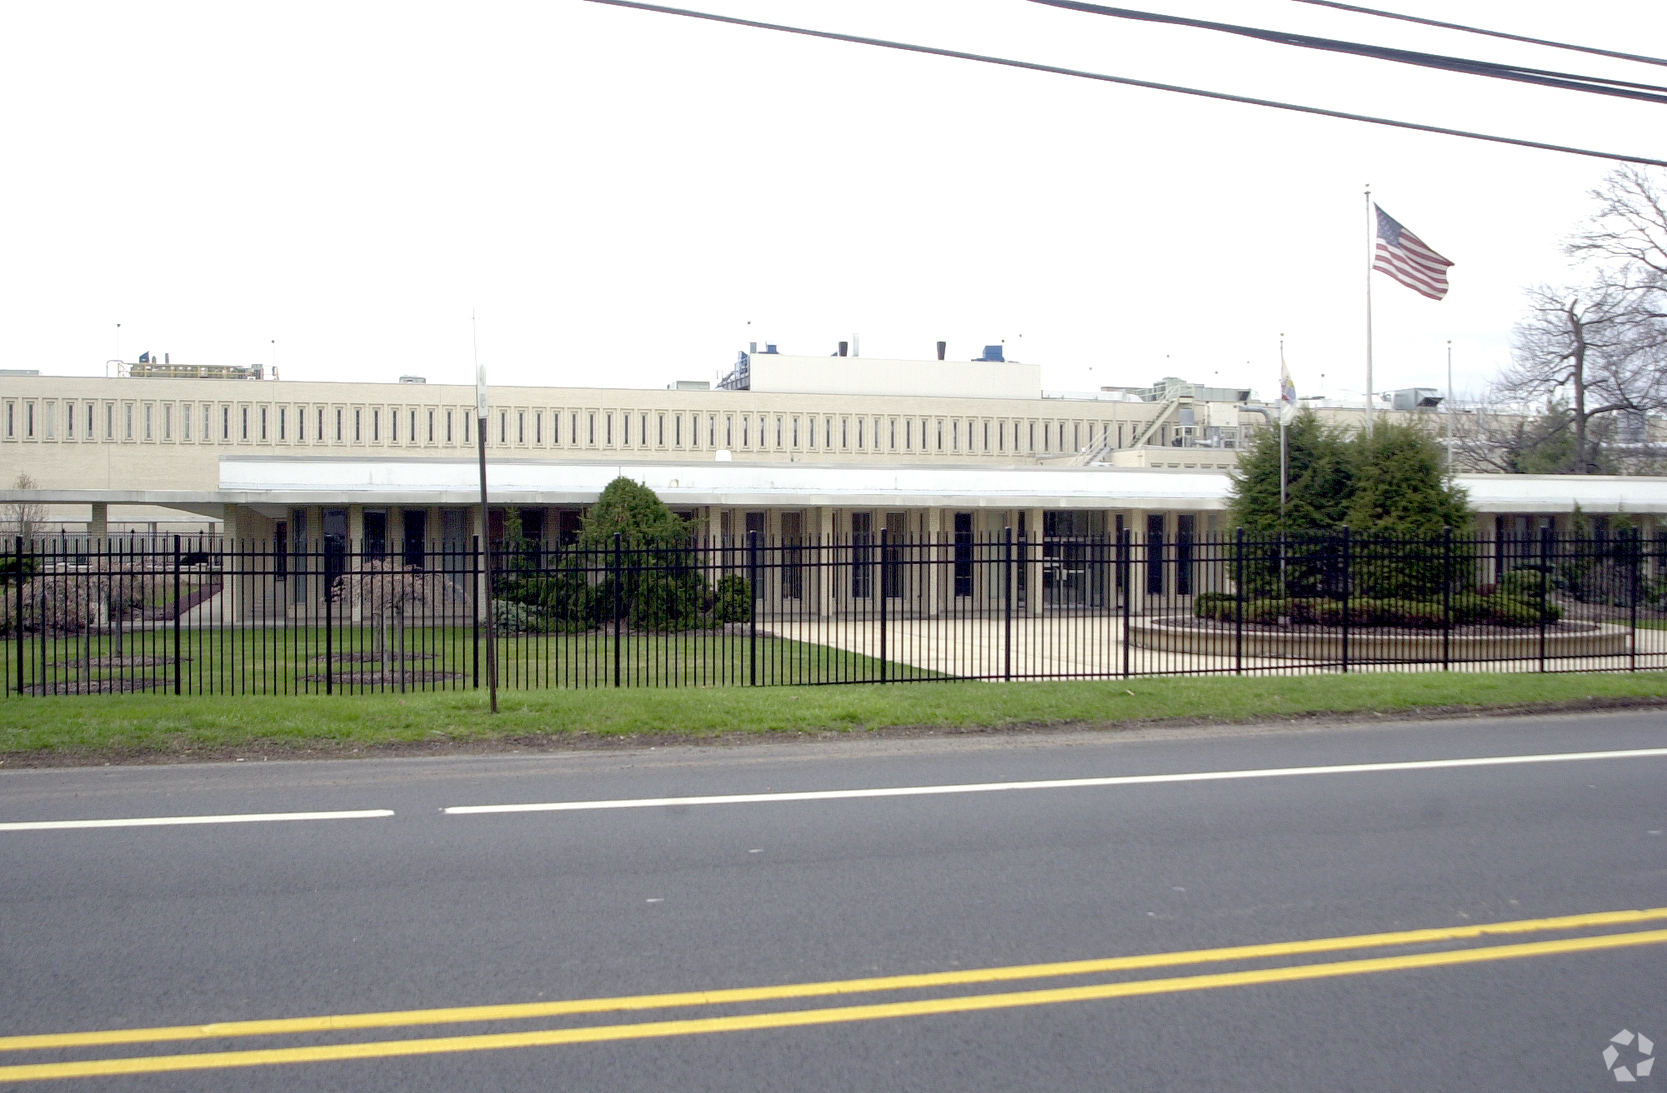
(833, 1015)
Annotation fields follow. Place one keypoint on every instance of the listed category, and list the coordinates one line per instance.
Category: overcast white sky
(628, 198)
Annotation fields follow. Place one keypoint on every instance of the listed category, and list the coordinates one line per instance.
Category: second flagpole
(1371, 246)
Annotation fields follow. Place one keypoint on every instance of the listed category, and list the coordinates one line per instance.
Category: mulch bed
(390, 677)
(96, 686)
(1191, 622)
(117, 662)
(372, 658)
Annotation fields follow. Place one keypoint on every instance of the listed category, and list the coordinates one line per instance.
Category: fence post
(1545, 586)
(177, 613)
(1007, 604)
(1126, 563)
(1446, 597)
(618, 597)
(17, 621)
(885, 574)
(329, 635)
(1348, 586)
(753, 600)
(1635, 556)
(1238, 603)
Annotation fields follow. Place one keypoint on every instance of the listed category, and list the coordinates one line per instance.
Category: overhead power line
(1567, 81)
(1126, 81)
(1487, 33)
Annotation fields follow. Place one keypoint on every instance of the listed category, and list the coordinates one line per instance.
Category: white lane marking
(1061, 783)
(168, 821)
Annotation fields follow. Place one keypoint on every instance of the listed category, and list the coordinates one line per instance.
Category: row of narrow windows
(209, 422)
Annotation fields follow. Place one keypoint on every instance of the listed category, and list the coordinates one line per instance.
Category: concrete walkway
(1055, 647)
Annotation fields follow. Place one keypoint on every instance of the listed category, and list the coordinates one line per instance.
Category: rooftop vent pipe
(844, 347)
(941, 347)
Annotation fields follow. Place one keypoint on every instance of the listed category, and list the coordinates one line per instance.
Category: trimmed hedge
(1502, 608)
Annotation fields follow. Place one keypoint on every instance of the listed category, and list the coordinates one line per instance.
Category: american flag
(1404, 257)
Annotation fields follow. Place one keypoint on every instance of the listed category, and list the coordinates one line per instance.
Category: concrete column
(935, 562)
(98, 526)
(231, 588)
(1033, 579)
(824, 532)
(1135, 524)
(356, 528)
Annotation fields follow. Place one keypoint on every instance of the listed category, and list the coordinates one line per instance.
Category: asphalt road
(137, 927)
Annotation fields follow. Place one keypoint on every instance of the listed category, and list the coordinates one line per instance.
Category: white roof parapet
(281, 481)
(456, 481)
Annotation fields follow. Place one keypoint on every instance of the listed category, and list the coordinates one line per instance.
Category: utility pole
(485, 523)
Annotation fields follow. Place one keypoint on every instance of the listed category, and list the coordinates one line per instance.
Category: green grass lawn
(96, 726)
(292, 660)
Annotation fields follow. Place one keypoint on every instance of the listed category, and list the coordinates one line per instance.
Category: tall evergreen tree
(1399, 487)
(1319, 485)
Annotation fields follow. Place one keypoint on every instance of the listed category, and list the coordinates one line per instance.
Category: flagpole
(1284, 467)
(1371, 246)
(1449, 410)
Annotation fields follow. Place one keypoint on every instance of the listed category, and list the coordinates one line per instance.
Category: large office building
(808, 449)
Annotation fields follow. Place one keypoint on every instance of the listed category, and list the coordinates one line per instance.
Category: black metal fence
(211, 616)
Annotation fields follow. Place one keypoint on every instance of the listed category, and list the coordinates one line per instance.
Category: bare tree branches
(1629, 228)
(25, 518)
(1595, 349)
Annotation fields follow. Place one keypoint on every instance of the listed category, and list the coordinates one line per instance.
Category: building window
(263, 423)
(149, 411)
(467, 417)
(375, 425)
(677, 429)
(538, 427)
(520, 426)
(940, 434)
(283, 423)
(729, 429)
(795, 432)
(642, 433)
(859, 433)
(661, 431)
(127, 421)
(625, 426)
(592, 431)
(90, 423)
(986, 436)
(448, 425)
(744, 423)
(711, 430)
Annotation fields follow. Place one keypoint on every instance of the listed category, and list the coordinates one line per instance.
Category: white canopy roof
(355, 480)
